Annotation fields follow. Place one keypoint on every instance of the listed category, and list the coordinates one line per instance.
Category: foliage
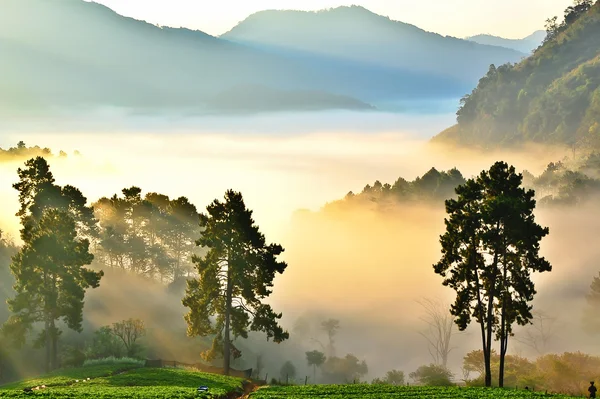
(376, 391)
(553, 96)
(489, 250)
(433, 375)
(153, 236)
(234, 277)
(344, 370)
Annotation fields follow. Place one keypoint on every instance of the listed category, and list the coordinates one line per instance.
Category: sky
(460, 18)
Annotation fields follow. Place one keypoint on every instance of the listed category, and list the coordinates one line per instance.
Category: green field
(112, 382)
(390, 391)
(123, 381)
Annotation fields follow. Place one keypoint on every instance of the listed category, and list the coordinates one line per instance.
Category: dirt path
(249, 387)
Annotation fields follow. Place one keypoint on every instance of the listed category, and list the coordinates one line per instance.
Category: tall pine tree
(49, 273)
(234, 277)
(489, 250)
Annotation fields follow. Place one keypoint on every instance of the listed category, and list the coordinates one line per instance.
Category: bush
(114, 360)
(432, 375)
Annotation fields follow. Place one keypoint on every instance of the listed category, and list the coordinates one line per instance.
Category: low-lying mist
(365, 267)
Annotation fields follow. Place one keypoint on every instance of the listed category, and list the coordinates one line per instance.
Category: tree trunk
(226, 343)
(54, 335)
(503, 329)
(482, 323)
(47, 338)
(502, 353)
(490, 321)
(314, 373)
(48, 342)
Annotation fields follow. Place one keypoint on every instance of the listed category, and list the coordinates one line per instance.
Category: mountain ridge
(83, 54)
(525, 45)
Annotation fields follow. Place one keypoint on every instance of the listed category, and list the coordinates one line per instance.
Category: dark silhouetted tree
(235, 276)
(489, 250)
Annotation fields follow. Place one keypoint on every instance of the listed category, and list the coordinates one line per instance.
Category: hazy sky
(460, 18)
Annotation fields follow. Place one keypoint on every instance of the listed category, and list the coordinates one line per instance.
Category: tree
(489, 250)
(540, 333)
(129, 331)
(104, 344)
(392, 377)
(590, 321)
(288, 370)
(315, 359)
(463, 265)
(235, 276)
(439, 332)
(433, 375)
(331, 326)
(512, 238)
(344, 370)
(259, 366)
(50, 280)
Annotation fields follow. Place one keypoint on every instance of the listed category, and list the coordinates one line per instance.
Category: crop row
(137, 383)
(389, 391)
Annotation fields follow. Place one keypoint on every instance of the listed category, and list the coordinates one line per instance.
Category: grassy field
(119, 381)
(388, 391)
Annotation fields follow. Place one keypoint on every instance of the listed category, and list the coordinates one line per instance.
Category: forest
(549, 97)
(181, 254)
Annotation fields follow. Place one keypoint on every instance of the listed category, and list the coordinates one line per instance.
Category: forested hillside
(562, 183)
(551, 97)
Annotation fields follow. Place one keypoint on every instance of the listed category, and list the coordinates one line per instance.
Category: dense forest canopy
(567, 182)
(551, 97)
(21, 152)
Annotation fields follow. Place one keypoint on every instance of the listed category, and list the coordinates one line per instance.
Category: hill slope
(551, 97)
(525, 45)
(379, 42)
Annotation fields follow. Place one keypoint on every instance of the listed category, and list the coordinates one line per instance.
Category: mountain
(526, 45)
(354, 34)
(551, 97)
(65, 53)
(243, 99)
(78, 54)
